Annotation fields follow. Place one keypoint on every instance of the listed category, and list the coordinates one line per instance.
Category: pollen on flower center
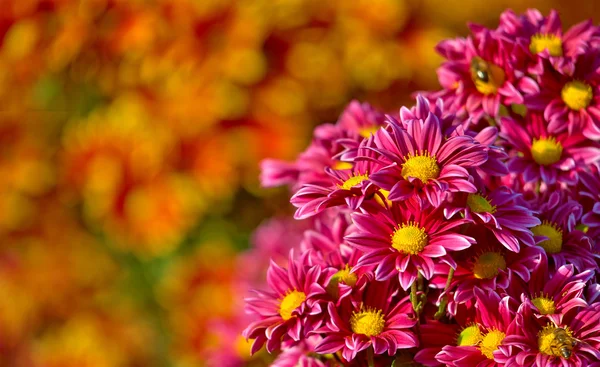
(369, 322)
(552, 341)
(353, 181)
(546, 151)
(540, 42)
(409, 238)
(486, 76)
(343, 276)
(469, 336)
(488, 265)
(576, 95)
(365, 132)
(554, 242)
(544, 304)
(480, 204)
(422, 166)
(290, 302)
(490, 343)
(341, 165)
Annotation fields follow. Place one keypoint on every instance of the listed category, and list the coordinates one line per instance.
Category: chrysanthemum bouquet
(464, 231)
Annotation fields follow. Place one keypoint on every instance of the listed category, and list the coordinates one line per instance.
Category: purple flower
(421, 162)
(402, 242)
(293, 307)
(373, 317)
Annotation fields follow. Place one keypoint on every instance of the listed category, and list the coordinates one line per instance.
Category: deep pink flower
(402, 242)
(544, 39)
(501, 211)
(477, 345)
(532, 341)
(557, 235)
(346, 187)
(479, 74)
(292, 308)
(377, 316)
(549, 294)
(421, 162)
(434, 336)
(302, 354)
(541, 156)
(570, 102)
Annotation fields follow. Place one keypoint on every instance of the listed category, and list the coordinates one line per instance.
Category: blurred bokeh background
(130, 136)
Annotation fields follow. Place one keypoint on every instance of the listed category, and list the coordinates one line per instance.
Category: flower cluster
(462, 231)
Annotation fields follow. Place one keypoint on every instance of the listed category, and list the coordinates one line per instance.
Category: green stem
(371, 357)
(444, 302)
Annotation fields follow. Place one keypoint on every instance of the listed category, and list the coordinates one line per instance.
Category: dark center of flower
(576, 95)
(488, 265)
(369, 322)
(554, 242)
(540, 42)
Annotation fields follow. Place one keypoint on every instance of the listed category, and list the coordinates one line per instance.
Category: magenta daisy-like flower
(570, 102)
(478, 343)
(541, 156)
(557, 235)
(402, 242)
(490, 268)
(479, 74)
(434, 336)
(590, 192)
(346, 187)
(376, 316)
(421, 162)
(544, 38)
(502, 212)
(552, 295)
(533, 341)
(293, 308)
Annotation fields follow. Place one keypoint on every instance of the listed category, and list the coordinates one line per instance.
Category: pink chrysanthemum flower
(533, 341)
(490, 268)
(302, 354)
(293, 308)
(543, 36)
(374, 317)
(590, 193)
(502, 212)
(421, 162)
(479, 74)
(477, 344)
(346, 187)
(333, 145)
(570, 102)
(557, 235)
(402, 242)
(552, 295)
(541, 156)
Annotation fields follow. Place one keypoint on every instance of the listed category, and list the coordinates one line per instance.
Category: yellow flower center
(480, 204)
(353, 181)
(409, 238)
(554, 242)
(544, 304)
(546, 151)
(490, 343)
(576, 95)
(486, 76)
(488, 265)
(423, 166)
(343, 276)
(469, 336)
(369, 322)
(552, 43)
(365, 132)
(556, 342)
(290, 302)
(339, 165)
(380, 200)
